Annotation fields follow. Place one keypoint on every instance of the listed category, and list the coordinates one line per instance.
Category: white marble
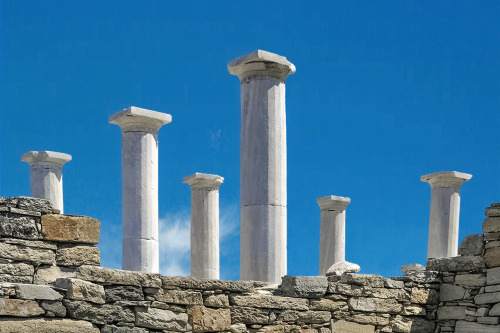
(46, 175)
(140, 186)
(263, 196)
(204, 224)
(332, 234)
(445, 212)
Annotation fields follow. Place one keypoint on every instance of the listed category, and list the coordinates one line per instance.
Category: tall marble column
(204, 224)
(445, 212)
(263, 197)
(332, 235)
(140, 186)
(46, 175)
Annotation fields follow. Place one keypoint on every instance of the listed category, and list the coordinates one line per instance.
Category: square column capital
(203, 180)
(48, 158)
(333, 202)
(134, 119)
(261, 63)
(446, 179)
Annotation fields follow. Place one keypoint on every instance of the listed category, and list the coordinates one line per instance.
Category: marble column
(140, 186)
(204, 224)
(332, 235)
(46, 175)
(445, 211)
(263, 196)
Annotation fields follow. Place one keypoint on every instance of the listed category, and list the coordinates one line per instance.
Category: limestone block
(82, 290)
(491, 224)
(304, 286)
(35, 244)
(19, 227)
(412, 325)
(77, 255)
(115, 276)
(45, 325)
(451, 312)
(327, 305)
(343, 326)
(55, 307)
(493, 236)
(98, 314)
(161, 319)
(413, 310)
(488, 320)
(472, 245)
(238, 328)
(398, 294)
(471, 327)
(33, 291)
(180, 297)
(390, 283)
(339, 268)
(49, 274)
(472, 280)
(449, 292)
(15, 279)
(246, 315)
(349, 289)
(122, 329)
(35, 204)
(412, 268)
(363, 279)
(370, 319)
(270, 302)
(455, 264)
(422, 277)
(217, 301)
(367, 304)
(204, 319)
(70, 228)
(206, 284)
(314, 317)
(492, 257)
(18, 269)
(24, 253)
(424, 296)
(121, 293)
(495, 310)
(492, 211)
(8, 202)
(19, 308)
(487, 298)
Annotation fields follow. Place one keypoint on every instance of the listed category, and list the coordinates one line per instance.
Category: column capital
(333, 202)
(446, 179)
(203, 180)
(134, 119)
(47, 158)
(261, 63)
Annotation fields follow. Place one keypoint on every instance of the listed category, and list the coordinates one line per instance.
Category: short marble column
(46, 175)
(445, 211)
(263, 197)
(140, 186)
(204, 224)
(332, 235)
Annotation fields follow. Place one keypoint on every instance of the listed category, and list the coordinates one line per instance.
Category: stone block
(8, 201)
(98, 314)
(424, 296)
(122, 293)
(412, 325)
(340, 268)
(451, 312)
(122, 329)
(116, 276)
(19, 308)
(18, 269)
(49, 274)
(82, 290)
(471, 280)
(304, 286)
(179, 297)
(491, 224)
(33, 291)
(413, 310)
(412, 268)
(398, 294)
(370, 319)
(456, 264)
(56, 307)
(343, 326)
(45, 325)
(368, 280)
(471, 327)
(487, 298)
(35, 204)
(367, 304)
(19, 227)
(159, 319)
(23, 253)
(449, 292)
(493, 276)
(77, 255)
(488, 320)
(211, 284)
(393, 284)
(270, 302)
(472, 245)
(217, 301)
(492, 257)
(327, 305)
(70, 228)
(204, 319)
(492, 211)
(246, 315)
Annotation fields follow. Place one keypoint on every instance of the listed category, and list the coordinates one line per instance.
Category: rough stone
(270, 302)
(17, 269)
(487, 298)
(451, 312)
(472, 280)
(339, 268)
(122, 329)
(424, 296)
(366, 304)
(33, 291)
(120, 293)
(45, 325)
(390, 283)
(35, 204)
(491, 224)
(49, 274)
(470, 327)
(246, 315)
(412, 268)
(77, 255)
(115, 276)
(82, 290)
(55, 307)
(206, 284)
(98, 314)
(19, 227)
(413, 310)
(492, 211)
(492, 257)
(449, 292)
(204, 319)
(28, 254)
(217, 301)
(493, 276)
(180, 297)
(70, 228)
(472, 245)
(343, 326)
(363, 280)
(304, 286)
(19, 308)
(161, 319)
(455, 264)
(412, 325)
(327, 305)
(495, 310)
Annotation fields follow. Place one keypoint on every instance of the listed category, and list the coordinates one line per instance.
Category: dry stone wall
(51, 281)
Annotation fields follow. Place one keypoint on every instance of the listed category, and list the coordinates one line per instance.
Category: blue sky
(384, 92)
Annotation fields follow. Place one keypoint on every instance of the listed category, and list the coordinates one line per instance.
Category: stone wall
(51, 281)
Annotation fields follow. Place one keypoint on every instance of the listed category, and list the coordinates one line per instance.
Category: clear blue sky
(384, 92)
